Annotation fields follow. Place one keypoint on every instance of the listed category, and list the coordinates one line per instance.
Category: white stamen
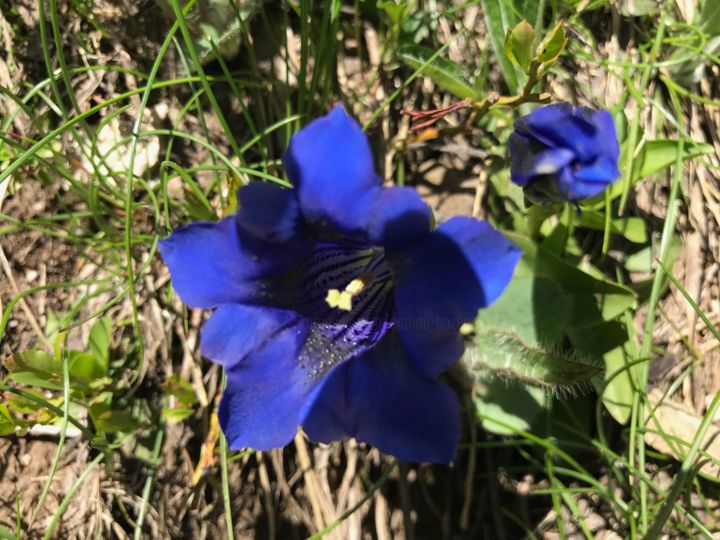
(343, 299)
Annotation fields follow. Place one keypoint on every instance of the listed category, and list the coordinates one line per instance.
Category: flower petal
(235, 331)
(565, 126)
(265, 393)
(207, 264)
(381, 399)
(528, 160)
(398, 217)
(269, 212)
(603, 170)
(330, 163)
(432, 350)
(273, 362)
(607, 135)
(573, 188)
(443, 280)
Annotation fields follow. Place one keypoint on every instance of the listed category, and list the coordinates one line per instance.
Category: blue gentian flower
(336, 304)
(564, 153)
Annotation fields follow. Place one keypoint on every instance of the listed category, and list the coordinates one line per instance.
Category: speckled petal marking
(335, 334)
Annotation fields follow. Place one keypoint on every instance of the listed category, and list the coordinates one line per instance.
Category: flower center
(344, 291)
(343, 299)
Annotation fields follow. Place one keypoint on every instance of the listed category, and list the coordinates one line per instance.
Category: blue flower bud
(564, 153)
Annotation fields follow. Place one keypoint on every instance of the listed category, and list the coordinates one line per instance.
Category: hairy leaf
(505, 353)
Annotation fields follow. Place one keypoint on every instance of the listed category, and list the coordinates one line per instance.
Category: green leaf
(35, 368)
(34, 360)
(394, 11)
(56, 320)
(552, 44)
(594, 297)
(441, 71)
(517, 337)
(198, 208)
(544, 315)
(87, 367)
(7, 422)
(537, 215)
(590, 309)
(414, 27)
(638, 8)
(40, 369)
(518, 44)
(498, 18)
(22, 405)
(218, 22)
(640, 261)
(110, 420)
(618, 393)
(660, 154)
(174, 415)
(526, 9)
(632, 228)
(556, 242)
(505, 409)
(655, 156)
(176, 386)
(504, 353)
(540, 262)
(100, 442)
(621, 126)
(7, 534)
(99, 342)
(643, 260)
(606, 343)
(710, 17)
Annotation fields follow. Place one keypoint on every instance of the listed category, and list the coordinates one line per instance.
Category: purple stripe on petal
(334, 334)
